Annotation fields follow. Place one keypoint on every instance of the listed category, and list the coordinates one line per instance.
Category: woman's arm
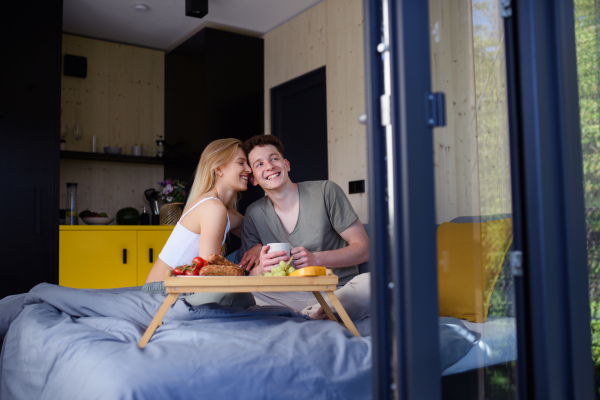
(212, 218)
(237, 221)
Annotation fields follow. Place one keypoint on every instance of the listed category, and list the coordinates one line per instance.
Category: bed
(72, 344)
(68, 343)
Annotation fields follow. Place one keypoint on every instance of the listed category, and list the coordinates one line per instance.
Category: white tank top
(183, 245)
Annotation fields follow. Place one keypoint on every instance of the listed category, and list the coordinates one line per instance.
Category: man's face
(269, 168)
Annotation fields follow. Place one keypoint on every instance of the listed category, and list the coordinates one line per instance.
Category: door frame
(553, 319)
(555, 358)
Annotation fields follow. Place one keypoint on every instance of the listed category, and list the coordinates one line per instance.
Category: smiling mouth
(273, 176)
(244, 177)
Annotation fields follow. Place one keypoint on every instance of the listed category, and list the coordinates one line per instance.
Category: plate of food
(94, 218)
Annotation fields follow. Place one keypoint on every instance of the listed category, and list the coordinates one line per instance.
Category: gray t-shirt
(324, 213)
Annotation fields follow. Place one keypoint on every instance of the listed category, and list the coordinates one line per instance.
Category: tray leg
(157, 321)
(342, 313)
(325, 306)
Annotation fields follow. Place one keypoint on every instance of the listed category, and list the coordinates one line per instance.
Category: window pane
(473, 201)
(587, 34)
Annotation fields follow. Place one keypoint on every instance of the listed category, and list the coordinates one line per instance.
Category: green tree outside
(587, 33)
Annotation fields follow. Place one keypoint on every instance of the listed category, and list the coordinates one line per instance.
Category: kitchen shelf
(81, 155)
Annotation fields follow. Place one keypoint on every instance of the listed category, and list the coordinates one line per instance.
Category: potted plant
(171, 193)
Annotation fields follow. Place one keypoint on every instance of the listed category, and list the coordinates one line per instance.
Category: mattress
(497, 345)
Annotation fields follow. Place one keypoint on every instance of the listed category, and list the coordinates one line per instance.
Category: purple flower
(183, 192)
(168, 182)
(163, 197)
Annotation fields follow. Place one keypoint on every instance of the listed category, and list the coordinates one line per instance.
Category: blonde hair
(214, 155)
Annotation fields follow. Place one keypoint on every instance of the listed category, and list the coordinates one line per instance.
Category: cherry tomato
(194, 269)
(199, 261)
(180, 270)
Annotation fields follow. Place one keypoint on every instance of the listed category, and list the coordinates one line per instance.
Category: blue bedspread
(82, 344)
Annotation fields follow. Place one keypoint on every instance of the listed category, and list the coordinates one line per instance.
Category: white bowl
(112, 150)
(97, 220)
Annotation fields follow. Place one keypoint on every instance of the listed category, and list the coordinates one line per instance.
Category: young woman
(209, 214)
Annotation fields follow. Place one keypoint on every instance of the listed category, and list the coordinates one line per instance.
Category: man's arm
(355, 253)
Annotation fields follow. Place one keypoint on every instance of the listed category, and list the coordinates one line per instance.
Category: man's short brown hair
(262, 140)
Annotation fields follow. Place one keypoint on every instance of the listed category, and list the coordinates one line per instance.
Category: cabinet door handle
(124, 256)
(151, 255)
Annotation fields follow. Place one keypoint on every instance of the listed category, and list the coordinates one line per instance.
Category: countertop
(85, 227)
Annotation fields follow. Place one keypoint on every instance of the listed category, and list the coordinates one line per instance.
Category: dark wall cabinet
(214, 88)
(30, 40)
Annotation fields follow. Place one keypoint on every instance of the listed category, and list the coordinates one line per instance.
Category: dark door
(29, 151)
(299, 119)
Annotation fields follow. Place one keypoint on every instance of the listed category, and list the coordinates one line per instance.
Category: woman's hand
(251, 258)
(303, 258)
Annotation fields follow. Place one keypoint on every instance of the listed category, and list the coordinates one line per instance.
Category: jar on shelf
(71, 215)
(160, 151)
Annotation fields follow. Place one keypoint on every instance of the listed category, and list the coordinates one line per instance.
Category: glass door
(475, 163)
(473, 201)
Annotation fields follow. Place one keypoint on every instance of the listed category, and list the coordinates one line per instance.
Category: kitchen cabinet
(108, 256)
(149, 246)
(214, 89)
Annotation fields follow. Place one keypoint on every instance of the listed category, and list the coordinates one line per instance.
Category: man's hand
(268, 261)
(303, 258)
(251, 257)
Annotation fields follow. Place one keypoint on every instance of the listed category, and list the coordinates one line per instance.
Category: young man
(316, 218)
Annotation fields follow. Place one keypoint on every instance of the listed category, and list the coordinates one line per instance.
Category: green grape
(280, 273)
(282, 264)
(291, 269)
(268, 274)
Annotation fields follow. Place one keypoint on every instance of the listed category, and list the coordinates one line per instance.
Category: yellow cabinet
(101, 257)
(149, 246)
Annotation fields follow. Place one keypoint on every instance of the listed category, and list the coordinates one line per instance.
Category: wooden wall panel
(122, 98)
(455, 145)
(293, 49)
(330, 34)
(122, 102)
(108, 186)
(472, 151)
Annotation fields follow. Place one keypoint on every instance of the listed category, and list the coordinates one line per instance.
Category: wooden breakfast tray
(247, 284)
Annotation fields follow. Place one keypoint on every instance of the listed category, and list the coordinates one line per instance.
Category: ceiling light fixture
(141, 7)
(196, 8)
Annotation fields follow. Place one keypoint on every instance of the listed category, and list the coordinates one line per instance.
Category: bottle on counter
(71, 215)
(160, 147)
(144, 217)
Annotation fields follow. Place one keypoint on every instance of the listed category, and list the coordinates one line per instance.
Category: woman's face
(236, 172)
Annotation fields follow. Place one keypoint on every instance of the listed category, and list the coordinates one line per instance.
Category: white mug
(279, 247)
